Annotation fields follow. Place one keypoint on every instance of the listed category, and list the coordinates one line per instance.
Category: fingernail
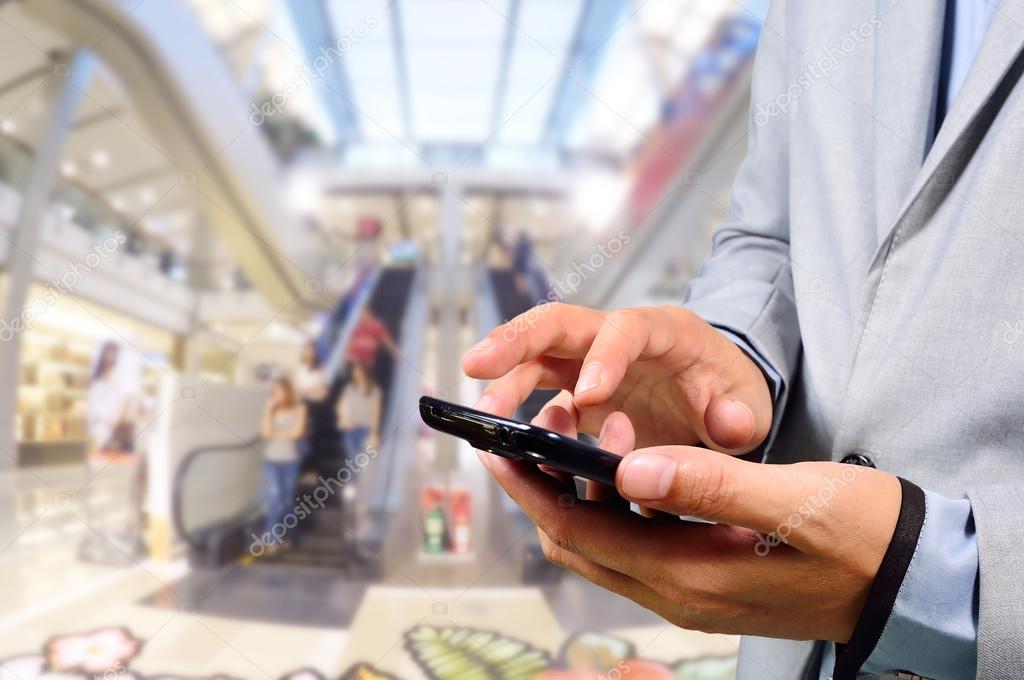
(590, 377)
(484, 345)
(743, 406)
(648, 476)
(746, 409)
(486, 403)
(544, 417)
(485, 459)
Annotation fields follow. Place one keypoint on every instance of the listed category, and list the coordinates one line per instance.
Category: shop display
(446, 517)
(58, 355)
(52, 390)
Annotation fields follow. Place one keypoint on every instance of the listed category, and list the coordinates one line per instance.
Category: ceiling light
(304, 194)
(117, 203)
(147, 196)
(8, 126)
(68, 169)
(598, 196)
(100, 159)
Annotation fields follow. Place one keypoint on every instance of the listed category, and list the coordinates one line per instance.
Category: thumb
(731, 424)
(694, 482)
(738, 420)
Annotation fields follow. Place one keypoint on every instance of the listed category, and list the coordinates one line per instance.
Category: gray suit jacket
(886, 286)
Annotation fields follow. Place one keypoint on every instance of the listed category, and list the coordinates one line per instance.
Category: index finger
(553, 328)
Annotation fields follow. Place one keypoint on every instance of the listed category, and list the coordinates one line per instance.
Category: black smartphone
(520, 441)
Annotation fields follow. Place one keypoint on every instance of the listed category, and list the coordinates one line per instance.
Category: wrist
(885, 584)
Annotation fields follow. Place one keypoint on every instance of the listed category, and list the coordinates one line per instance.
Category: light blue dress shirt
(933, 628)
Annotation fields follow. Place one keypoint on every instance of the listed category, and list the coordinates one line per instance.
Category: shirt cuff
(776, 386)
(921, 617)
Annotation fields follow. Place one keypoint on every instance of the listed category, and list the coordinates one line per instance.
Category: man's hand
(678, 379)
(793, 553)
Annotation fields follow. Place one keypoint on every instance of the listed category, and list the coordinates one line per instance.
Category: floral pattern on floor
(442, 653)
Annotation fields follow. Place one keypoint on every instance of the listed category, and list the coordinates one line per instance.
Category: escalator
(219, 525)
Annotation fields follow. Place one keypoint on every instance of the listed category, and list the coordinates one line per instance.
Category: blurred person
(309, 378)
(367, 337)
(527, 279)
(110, 423)
(311, 387)
(359, 411)
(851, 326)
(522, 251)
(282, 426)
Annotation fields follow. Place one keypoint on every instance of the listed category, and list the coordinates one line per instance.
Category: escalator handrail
(337, 355)
(177, 506)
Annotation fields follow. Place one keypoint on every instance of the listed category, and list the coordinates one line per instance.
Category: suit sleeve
(746, 285)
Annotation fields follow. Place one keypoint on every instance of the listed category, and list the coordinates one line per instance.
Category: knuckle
(621, 317)
(681, 312)
(557, 307)
(623, 323)
(551, 552)
(563, 537)
(702, 488)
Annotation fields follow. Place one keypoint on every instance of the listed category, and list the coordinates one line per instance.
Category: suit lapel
(1002, 44)
(907, 53)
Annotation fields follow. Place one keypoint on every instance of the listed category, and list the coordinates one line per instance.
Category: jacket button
(858, 458)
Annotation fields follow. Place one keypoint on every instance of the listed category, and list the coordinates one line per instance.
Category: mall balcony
(240, 241)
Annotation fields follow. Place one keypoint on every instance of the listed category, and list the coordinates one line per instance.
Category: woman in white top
(109, 418)
(283, 425)
(311, 387)
(310, 381)
(359, 411)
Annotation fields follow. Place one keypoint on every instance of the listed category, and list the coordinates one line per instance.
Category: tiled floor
(424, 617)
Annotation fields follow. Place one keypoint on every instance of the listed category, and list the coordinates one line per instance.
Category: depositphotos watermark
(1012, 332)
(65, 284)
(308, 503)
(306, 74)
(810, 506)
(814, 71)
(568, 285)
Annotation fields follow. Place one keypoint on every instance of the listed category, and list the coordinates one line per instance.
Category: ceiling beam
(507, 47)
(137, 178)
(401, 68)
(341, 181)
(96, 118)
(325, 64)
(599, 21)
(26, 77)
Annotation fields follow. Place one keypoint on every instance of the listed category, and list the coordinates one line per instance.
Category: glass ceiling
(460, 90)
(523, 78)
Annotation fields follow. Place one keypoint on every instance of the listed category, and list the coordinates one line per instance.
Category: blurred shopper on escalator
(311, 387)
(359, 411)
(310, 381)
(283, 425)
(367, 337)
(531, 282)
(522, 253)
